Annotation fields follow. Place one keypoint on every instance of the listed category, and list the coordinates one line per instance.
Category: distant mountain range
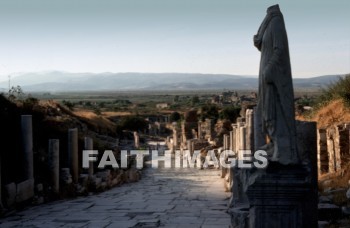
(57, 81)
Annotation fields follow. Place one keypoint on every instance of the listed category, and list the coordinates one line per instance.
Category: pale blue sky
(193, 36)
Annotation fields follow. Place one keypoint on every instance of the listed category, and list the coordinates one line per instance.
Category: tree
(16, 93)
(230, 113)
(209, 111)
(195, 100)
(68, 104)
(134, 123)
(175, 116)
(339, 89)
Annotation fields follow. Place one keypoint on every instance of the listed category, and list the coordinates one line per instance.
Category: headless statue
(275, 109)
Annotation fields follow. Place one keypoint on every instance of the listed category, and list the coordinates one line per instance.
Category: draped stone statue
(275, 109)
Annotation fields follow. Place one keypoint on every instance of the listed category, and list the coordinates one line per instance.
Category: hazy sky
(199, 36)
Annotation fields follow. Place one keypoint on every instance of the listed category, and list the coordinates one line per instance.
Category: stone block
(25, 190)
(11, 192)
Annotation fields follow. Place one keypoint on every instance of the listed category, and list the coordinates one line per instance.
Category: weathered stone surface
(65, 176)
(10, 192)
(25, 190)
(280, 196)
(240, 216)
(39, 188)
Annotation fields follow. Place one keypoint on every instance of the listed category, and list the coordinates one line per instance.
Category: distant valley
(57, 81)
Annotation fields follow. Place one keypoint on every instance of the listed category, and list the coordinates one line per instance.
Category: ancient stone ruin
(62, 176)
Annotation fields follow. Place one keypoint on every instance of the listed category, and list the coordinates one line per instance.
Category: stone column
(190, 146)
(238, 134)
(73, 153)
(234, 138)
(199, 130)
(226, 142)
(27, 139)
(242, 140)
(210, 128)
(89, 145)
(259, 138)
(175, 139)
(333, 149)
(136, 140)
(250, 129)
(322, 155)
(54, 164)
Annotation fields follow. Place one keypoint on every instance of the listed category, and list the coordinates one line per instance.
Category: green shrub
(337, 90)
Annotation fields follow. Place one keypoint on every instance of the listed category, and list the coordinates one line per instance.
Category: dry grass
(95, 120)
(333, 113)
(113, 114)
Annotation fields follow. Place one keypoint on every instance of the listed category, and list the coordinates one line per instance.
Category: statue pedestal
(282, 196)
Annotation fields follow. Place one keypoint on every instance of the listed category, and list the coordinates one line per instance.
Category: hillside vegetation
(333, 105)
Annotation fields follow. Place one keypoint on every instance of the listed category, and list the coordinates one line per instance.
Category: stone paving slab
(162, 198)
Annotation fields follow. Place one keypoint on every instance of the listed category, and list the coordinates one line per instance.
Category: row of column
(73, 155)
(242, 135)
(53, 154)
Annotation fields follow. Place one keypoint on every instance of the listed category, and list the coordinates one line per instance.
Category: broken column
(333, 149)
(226, 142)
(27, 139)
(73, 153)
(322, 155)
(54, 163)
(89, 145)
(136, 140)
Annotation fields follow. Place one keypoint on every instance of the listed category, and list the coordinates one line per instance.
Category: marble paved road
(185, 197)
